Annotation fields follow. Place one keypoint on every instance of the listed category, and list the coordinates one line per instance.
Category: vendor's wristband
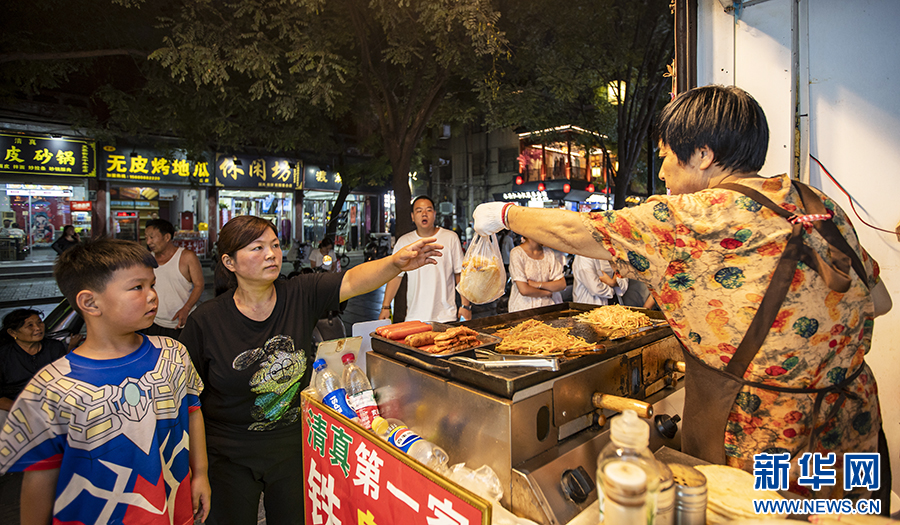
(467, 307)
(385, 307)
(504, 214)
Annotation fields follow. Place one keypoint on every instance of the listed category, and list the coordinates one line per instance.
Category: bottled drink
(329, 388)
(628, 475)
(360, 396)
(423, 451)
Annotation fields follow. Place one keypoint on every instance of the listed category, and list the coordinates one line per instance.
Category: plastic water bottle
(360, 396)
(329, 388)
(422, 450)
(628, 475)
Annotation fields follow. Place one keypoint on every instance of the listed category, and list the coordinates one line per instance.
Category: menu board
(352, 476)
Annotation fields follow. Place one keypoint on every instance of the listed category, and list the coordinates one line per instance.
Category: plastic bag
(483, 277)
(485, 483)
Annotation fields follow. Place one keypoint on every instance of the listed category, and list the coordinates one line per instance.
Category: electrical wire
(849, 198)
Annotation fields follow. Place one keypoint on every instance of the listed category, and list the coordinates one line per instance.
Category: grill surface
(506, 382)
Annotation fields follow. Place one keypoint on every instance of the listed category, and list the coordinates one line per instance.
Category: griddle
(506, 382)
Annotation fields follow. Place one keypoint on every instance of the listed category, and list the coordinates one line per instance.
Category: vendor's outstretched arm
(373, 274)
(561, 230)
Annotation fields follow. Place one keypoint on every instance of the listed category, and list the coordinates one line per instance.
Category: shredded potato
(616, 317)
(536, 338)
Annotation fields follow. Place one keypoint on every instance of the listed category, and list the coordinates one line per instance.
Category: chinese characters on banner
(861, 469)
(33, 155)
(270, 173)
(152, 166)
(352, 477)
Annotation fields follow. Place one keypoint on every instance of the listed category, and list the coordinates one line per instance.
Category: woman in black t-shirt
(252, 346)
(23, 352)
(68, 239)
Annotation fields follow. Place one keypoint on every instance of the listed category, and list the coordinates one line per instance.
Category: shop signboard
(263, 173)
(80, 205)
(351, 476)
(315, 178)
(47, 155)
(151, 167)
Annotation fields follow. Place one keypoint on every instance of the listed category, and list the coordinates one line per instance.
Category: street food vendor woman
(763, 281)
(252, 345)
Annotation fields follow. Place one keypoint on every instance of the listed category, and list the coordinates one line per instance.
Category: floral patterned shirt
(708, 258)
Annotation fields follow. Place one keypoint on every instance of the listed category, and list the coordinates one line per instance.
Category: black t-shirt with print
(251, 370)
(17, 366)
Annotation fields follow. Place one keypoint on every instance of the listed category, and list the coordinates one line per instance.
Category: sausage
(403, 331)
(420, 339)
(429, 348)
(381, 329)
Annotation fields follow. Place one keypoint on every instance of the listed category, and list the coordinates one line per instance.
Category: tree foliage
(563, 61)
(385, 66)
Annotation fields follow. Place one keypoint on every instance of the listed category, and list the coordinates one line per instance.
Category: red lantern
(541, 186)
(519, 180)
(590, 188)
(567, 187)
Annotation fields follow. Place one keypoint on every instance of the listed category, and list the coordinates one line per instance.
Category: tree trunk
(331, 227)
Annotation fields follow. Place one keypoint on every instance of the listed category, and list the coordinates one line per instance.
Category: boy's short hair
(162, 225)
(725, 118)
(91, 265)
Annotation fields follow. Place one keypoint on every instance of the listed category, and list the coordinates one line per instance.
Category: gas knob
(667, 426)
(577, 485)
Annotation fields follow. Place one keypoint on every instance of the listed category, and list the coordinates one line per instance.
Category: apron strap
(836, 275)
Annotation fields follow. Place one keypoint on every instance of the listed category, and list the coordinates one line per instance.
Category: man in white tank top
(179, 279)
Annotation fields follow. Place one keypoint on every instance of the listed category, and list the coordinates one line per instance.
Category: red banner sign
(353, 477)
(80, 205)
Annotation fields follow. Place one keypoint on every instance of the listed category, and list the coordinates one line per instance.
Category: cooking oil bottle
(627, 474)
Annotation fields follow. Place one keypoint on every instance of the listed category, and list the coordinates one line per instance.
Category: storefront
(560, 166)
(40, 178)
(321, 189)
(261, 186)
(145, 184)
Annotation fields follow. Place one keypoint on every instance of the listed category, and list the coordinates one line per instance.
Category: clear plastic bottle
(360, 395)
(628, 475)
(425, 452)
(329, 388)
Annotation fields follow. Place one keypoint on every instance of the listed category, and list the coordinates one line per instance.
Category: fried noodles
(536, 338)
(616, 317)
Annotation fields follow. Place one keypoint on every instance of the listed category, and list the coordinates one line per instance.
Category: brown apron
(710, 393)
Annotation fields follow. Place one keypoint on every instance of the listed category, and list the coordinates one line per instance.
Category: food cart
(539, 429)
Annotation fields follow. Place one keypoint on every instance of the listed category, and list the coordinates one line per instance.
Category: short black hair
(91, 265)
(162, 225)
(725, 118)
(15, 320)
(326, 242)
(420, 197)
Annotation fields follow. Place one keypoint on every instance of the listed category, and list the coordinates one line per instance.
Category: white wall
(843, 80)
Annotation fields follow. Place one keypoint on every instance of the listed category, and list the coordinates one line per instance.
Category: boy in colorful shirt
(111, 433)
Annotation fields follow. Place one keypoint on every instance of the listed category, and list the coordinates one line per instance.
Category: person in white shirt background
(431, 291)
(596, 281)
(537, 275)
(324, 258)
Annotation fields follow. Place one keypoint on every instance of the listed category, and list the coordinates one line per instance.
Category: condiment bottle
(690, 495)
(628, 475)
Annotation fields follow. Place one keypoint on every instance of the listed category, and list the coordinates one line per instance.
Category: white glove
(489, 218)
